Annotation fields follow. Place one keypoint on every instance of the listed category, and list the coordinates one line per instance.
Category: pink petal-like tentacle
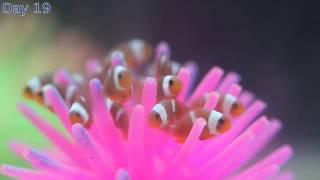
(227, 81)
(53, 135)
(208, 83)
(59, 106)
(184, 75)
(95, 157)
(136, 149)
(112, 139)
(279, 156)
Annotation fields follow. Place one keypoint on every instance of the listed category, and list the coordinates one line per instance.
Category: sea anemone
(103, 152)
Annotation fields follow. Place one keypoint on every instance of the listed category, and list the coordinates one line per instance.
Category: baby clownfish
(118, 84)
(230, 106)
(67, 93)
(164, 66)
(169, 86)
(79, 111)
(216, 124)
(227, 104)
(33, 89)
(137, 52)
(164, 114)
(119, 116)
(113, 58)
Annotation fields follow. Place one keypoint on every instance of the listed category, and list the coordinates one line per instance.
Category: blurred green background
(26, 52)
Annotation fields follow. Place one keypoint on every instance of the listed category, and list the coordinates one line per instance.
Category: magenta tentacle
(208, 83)
(136, 143)
(229, 79)
(184, 75)
(111, 137)
(59, 106)
(53, 135)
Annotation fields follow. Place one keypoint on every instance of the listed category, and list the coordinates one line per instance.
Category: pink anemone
(102, 153)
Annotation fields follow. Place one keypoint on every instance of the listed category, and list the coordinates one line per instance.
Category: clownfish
(118, 85)
(216, 124)
(36, 87)
(119, 116)
(164, 66)
(68, 94)
(33, 89)
(79, 111)
(137, 52)
(169, 86)
(227, 104)
(164, 114)
(100, 70)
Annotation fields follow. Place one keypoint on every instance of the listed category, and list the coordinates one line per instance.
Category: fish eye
(120, 76)
(171, 82)
(40, 94)
(28, 89)
(235, 105)
(78, 115)
(221, 121)
(157, 116)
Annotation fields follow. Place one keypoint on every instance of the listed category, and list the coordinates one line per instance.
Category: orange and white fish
(164, 114)
(137, 52)
(169, 86)
(118, 85)
(227, 104)
(216, 124)
(100, 70)
(68, 93)
(33, 89)
(79, 111)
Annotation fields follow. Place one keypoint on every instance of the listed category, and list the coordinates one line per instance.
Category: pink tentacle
(246, 98)
(136, 149)
(95, 157)
(53, 135)
(265, 173)
(235, 90)
(258, 128)
(184, 75)
(62, 77)
(59, 106)
(213, 100)
(148, 100)
(225, 157)
(208, 83)
(185, 151)
(112, 140)
(279, 157)
(219, 143)
(228, 80)
(27, 174)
